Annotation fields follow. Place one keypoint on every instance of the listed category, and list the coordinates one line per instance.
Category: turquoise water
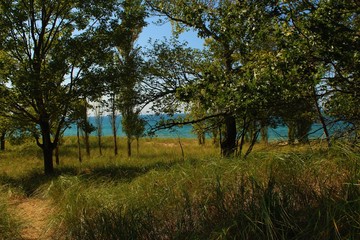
(279, 133)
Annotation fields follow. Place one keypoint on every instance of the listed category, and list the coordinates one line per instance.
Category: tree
(232, 31)
(51, 45)
(4, 127)
(321, 39)
(99, 123)
(334, 28)
(130, 66)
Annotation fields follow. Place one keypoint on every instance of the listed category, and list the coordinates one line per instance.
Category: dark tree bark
(243, 133)
(129, 146)
(322, 120)
(2, 141)
(78, 143)
(253, 141)
(86, 130)
(137, 145)
(57, 158)
(47, 147)
(113, 124)
(228, 146)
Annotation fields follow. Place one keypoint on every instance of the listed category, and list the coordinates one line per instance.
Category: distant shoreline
(274, 134)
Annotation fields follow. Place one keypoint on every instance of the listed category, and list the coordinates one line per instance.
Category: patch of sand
(34, 213)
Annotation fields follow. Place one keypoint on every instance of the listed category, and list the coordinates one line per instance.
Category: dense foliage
(262, 64)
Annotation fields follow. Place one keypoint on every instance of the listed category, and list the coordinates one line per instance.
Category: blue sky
(154, 32)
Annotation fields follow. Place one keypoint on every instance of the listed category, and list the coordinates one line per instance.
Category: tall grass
(281, 196)
(9, 226)
(277, 193)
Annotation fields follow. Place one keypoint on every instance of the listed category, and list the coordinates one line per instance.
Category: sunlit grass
(180, 190)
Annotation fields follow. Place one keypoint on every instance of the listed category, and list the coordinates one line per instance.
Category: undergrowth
(9, 226)
(278, 192)
(311, 195)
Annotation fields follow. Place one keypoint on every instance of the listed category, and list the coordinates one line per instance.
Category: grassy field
(179, 190)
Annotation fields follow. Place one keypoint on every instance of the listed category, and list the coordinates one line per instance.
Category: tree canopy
(48, 46)
(263, 63)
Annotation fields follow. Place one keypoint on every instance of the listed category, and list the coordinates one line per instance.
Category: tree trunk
(98, 119)
(2, 141)
(302, 130)
(113, 125)
(78, 143)
(86, 130)
(137, 146)
(243, 133)
(87, 143)
(48, 161)
(253, 141)
(129, 146)
(100, 145)
(57, 159)
(291, 132)
(322, 120)
(47, 147)
(215, 139)
(264, 133)
(201, 138)
(229, 144)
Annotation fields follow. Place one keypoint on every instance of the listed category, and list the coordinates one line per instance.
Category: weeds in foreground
(9, 226)
(294, 193)
(284, 196)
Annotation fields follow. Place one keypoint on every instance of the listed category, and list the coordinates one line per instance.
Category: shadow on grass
(29, 183)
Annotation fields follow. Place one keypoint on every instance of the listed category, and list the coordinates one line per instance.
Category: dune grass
(279, 192)
(9, 225)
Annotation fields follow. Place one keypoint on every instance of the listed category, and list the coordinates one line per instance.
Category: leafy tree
(170, 66)
(233, 32)
(333, 27)
(51, 45)
(319, 42)
(130, 64)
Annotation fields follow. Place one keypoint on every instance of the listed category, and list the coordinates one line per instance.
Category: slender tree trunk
(98, 119)
(129, 146)
(322, 120)
(2, 141)
(137, 145)
(242, 140)
(113, 125)
(215, 139)
(87, 143)
(229, 144)
(100, 145)
(86, 130)
(78, 143)
(57, 159)
(182, 149)
(253, 141)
